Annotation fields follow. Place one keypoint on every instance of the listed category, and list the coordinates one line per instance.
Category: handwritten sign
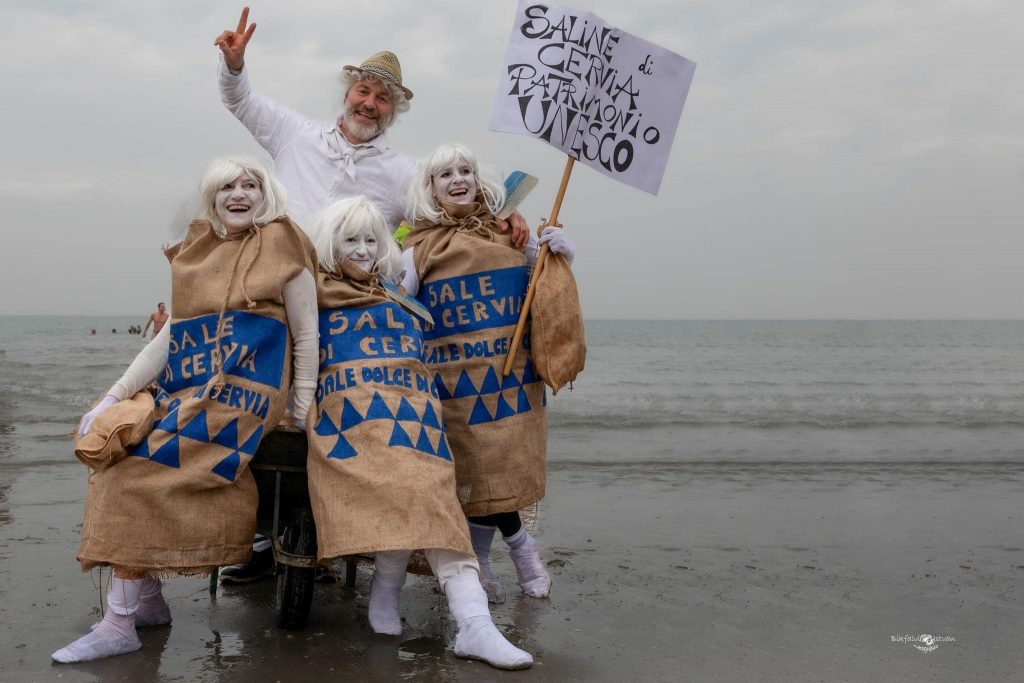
(607, 98)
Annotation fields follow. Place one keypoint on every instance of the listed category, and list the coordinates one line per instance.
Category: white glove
(532, 250)
(86, 423)
(559, 243)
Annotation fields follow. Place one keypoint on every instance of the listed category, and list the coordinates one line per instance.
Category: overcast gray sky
(834, 160)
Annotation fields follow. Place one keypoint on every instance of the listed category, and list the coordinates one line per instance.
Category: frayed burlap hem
(166, 571)
(492, 507)
(335, 553)
(129, 573)
(418, 563)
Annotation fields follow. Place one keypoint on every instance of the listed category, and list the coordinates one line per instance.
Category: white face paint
(455, 183)
(359, 247)
(238, 202)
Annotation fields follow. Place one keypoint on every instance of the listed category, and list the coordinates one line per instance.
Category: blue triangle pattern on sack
(228, 467)
(197, 428)
(406, 411)
(142, 450)
(378, 410)
(490, 385)
(442, 390)
(250, 446)
(399, 437)
(228, 437)
(528, 374)
(442, 448)
(325, 426)
(168, 453)
(350, 417)
(503, 409)
(523, 402)
(423, 442)
(510, 382)
(342, 449)
(465, 387)
(480, 413)
(430, 417)
(169, 423)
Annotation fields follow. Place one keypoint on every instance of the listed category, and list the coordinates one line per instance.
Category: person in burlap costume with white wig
(177, 497)
(381, 476)
(473, 280)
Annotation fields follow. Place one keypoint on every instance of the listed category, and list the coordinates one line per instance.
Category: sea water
(711, 392)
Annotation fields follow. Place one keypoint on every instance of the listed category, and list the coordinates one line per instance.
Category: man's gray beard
(362, 131)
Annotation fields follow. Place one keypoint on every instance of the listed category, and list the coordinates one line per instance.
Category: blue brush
(517, 186)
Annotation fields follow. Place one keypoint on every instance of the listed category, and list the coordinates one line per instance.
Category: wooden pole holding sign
(517, 337)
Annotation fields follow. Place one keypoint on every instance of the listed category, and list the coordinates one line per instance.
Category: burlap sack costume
(115, 431)
(474, 282)
(381, 475)
(557, 338)
(184, 500)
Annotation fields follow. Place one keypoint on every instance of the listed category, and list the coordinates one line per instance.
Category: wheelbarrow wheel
(295, 584)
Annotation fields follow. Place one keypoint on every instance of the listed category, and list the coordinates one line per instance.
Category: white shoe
(478, 637)
(93, 646)
(385, 587)
(383, 607)
(533, 578)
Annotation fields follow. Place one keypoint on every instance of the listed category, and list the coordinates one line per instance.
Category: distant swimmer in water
(93, 331)
(157, 319)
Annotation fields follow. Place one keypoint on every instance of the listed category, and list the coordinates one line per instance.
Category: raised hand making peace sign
(232, 43)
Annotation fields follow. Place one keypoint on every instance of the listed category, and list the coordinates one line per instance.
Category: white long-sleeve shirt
(300, 306)
(312, 158)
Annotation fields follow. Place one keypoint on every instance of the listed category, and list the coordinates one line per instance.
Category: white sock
(94, 645)
(153, 608)
(478, 637)
(533, 578)
(482, 537)
(115, 634)
(385, 587)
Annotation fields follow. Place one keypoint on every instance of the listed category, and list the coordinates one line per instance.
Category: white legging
(125, 594)
(445, 564)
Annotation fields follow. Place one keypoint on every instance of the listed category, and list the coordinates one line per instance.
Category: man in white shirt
(320, 162)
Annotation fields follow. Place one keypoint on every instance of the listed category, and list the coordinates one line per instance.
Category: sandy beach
(703, 572)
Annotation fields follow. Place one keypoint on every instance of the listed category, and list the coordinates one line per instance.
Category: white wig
(350, 77)
(346, 217)
(223, 171)
(421, 202)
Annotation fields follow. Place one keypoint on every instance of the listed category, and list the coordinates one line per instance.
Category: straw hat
(384, 65)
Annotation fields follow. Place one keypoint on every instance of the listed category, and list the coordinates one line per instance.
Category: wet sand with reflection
(697, 571)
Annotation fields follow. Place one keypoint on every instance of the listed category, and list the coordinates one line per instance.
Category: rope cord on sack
(473, 224)
(227, 293)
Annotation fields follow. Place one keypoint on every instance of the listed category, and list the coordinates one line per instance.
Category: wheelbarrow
(285, 516)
